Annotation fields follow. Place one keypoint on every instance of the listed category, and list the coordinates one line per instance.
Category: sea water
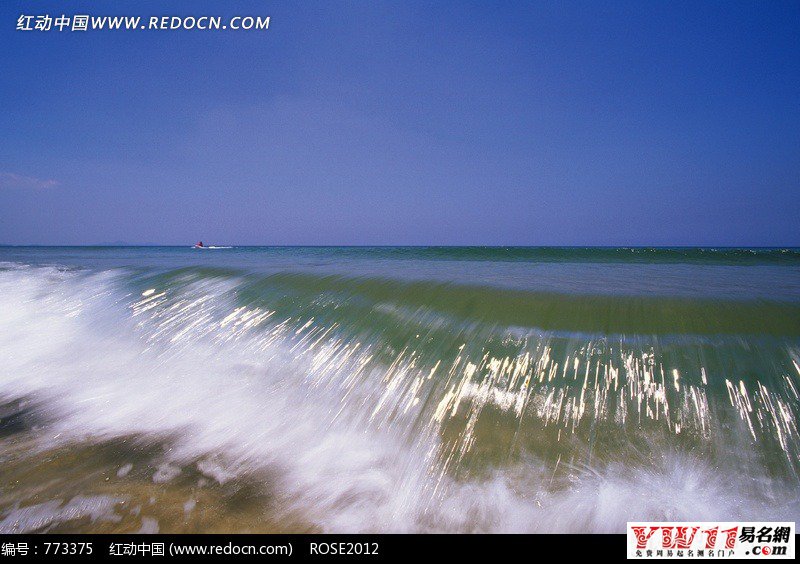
(396, 389)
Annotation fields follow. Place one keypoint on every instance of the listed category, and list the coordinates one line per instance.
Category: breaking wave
(372, 404)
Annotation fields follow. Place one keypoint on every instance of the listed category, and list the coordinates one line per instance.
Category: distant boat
(200, 245)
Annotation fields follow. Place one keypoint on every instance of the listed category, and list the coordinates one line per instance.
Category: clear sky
(514, 123)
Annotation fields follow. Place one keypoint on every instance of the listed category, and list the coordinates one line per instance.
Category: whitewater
(396, 389)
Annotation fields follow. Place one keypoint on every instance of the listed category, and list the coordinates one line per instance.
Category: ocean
(396, 389)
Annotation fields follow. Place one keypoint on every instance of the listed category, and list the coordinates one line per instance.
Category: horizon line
(389, 246)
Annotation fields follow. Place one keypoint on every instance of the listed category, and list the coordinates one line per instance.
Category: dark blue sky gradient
(589, 123)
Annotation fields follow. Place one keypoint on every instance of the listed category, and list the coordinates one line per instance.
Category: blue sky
(536, 123)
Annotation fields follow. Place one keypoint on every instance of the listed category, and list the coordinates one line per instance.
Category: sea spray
(316, 401)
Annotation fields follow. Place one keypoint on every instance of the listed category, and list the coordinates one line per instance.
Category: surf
(381, 404)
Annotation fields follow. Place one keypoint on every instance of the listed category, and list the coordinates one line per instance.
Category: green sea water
(396, 388)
